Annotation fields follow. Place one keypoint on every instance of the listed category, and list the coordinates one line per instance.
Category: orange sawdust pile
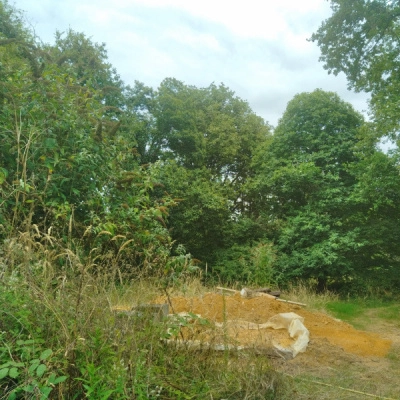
(219, 308)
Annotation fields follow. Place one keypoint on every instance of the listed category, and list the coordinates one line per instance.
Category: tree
(375, 204)
(67, 163)
(202, 216)
(304, 185)
(50, 148)
(206, 139)
(362, 39)
(210, 128)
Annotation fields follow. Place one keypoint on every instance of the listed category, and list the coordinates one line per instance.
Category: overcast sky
(257, 48)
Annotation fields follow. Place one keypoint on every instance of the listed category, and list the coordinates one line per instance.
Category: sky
(258, 49)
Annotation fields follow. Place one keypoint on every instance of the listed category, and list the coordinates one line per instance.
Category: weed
(29, 369)
(305, 292)
(61, 337)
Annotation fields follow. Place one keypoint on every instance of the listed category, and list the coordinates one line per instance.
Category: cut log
(275, 293)
(222, 289)
(292, 302)
(247, 293)
(263, 290)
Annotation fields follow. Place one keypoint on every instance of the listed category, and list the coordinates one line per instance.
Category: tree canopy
(304, 180)
(361, 39)
(180, 173)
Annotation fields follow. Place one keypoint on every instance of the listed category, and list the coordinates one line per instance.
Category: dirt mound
(222, 308)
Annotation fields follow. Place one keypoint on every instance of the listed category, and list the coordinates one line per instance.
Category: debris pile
(233, 315)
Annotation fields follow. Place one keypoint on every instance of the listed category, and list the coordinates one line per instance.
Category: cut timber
(248, 293)
(222, 289)
(292, 302)
(252, 293)
(275, 293)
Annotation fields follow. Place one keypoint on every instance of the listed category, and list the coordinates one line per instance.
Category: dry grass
(51, 292)
(305, 293)
(56, 295)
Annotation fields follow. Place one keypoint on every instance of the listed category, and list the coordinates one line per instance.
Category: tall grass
(61, 339)
(305, 292)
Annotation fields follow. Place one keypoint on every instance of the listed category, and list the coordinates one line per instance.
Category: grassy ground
(345, 376)
(60, 339)
(67, 343)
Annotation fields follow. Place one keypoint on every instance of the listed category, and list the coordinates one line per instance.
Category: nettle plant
(28, 369)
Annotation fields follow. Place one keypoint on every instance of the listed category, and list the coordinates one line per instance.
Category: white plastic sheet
(294, 324)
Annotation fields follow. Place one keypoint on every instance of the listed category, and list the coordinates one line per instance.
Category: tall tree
(304, 186)
(64, 162)
(210, 128)
(206, 138)
(361, 39)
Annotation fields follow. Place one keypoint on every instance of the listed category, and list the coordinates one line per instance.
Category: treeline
(167, 178)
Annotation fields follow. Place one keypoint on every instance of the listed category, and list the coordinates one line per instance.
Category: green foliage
(202, 214)
(206, 139)
(361, 39)
(28, 367)
(67, 163)
(376, 214)
(96, 384)
(208, 127)
(305, 183)
(251, 265)
(27, 371)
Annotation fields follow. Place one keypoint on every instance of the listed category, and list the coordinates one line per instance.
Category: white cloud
(250, 18)
(192, 39)
(257, 48)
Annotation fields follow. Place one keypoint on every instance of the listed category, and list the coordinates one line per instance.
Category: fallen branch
(227, 290)
(292, 302)
(249, 293)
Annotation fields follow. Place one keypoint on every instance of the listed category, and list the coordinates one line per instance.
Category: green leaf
(50, 143)
(41, 370)
(12, 395)
(13, 373)
(51, 379)
(4, 372)
(45, 354)
(60, 379)
(25, 342)
(45, 392)
(3, 175)
(33, 367)
(29, 388)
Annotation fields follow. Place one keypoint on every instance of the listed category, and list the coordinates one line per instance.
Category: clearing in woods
(364, 362)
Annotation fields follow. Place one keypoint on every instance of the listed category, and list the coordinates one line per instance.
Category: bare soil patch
(338, 355)
(324, 329)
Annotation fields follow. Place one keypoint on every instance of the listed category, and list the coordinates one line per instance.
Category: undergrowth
(306, 293)
(61, 339)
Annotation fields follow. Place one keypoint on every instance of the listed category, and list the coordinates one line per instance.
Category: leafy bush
(252, 265)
